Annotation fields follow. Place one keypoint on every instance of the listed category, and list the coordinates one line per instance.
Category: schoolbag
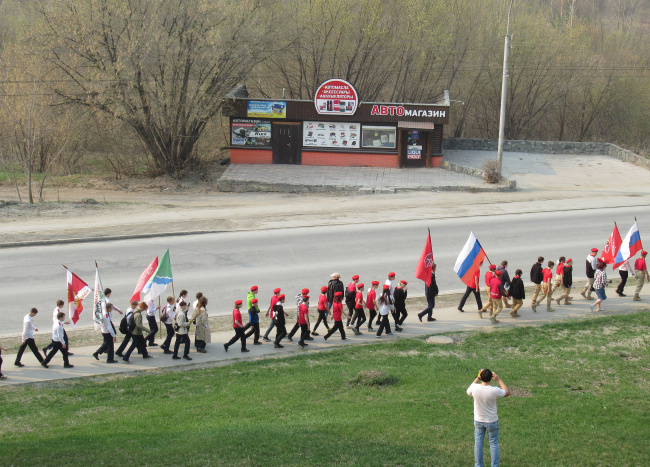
(123, 324)
(131, 323)
(164, 316)
(350, 297)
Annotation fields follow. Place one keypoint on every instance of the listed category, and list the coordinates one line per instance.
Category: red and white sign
(336, 97)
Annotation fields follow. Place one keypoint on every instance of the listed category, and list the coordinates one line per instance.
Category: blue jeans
(479, 437)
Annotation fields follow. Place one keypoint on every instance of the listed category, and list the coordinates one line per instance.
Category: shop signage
(336, 96)
(267, 109)
(414, 152)
(250, 132)
(402, 111)
(331, 135)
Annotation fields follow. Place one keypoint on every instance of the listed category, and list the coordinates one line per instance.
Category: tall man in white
(485, 414)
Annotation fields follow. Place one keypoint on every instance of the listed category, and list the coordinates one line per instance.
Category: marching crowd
(178, 315)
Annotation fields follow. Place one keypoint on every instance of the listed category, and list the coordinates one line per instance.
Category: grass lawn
(581, 397)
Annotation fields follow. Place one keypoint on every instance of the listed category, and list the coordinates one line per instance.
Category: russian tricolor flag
(469, 260)
(631, 244)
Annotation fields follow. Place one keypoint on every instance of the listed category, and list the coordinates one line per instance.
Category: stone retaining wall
(548, 147)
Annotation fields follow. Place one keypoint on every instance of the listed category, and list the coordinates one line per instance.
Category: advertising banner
(336, 96)
(267, 109)
(331, 135)
(250, 132)
(414, 152)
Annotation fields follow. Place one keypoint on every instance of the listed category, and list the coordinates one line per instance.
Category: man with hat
(567, 282)
(253, 322)
(641, 275)
(323, 309)
(333, 286)
(591, 264)
(303, 321)
(351, 299)
(496, 293)
(269, 313)
(238, 327)
(300, 298)
(371, 304)
(399, 295)
(337, 311)
(547, 287)
(431, 292)
(489, 275)
(279, 319)
(250, 296)
(359, 313)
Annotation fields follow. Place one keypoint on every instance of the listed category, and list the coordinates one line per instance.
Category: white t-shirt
(485, 401)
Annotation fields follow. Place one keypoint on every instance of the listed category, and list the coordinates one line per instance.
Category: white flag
(99, 301)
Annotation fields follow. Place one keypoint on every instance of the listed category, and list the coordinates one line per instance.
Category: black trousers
(170, 334)
(140, 343)
(304, 333)
(294, 329)
(351, 316)
(65, 338)
(32, 346)
(280, 332)
(254, 331)
(153, 327)
(372, 314)
(107, 346)
(127, 337)
(621, 286)
(400, 315)
(0, 362)
(180, 338)
(322, 316)
(239, 335)
(477, 295)
(360, 315)
(56, 346)
(383, 325)
(431, 302)
(338, 326)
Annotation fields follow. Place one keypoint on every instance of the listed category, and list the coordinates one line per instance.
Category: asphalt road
(223, 266)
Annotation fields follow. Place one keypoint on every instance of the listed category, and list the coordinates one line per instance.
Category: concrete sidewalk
(447, 319)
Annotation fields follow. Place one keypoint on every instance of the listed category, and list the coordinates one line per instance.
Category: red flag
(610, 251)
(77, 291)
(144, 278)
(425, 264)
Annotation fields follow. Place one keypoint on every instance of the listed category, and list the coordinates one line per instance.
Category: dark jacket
(517, 289)
(505, 277)
(399, 295)
(567, 277)
(333, 286)
(432, 290)
(536, 274)
(278, 313)
(253, 314)
(589, 270)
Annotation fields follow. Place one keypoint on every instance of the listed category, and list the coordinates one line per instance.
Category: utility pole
(504, 89)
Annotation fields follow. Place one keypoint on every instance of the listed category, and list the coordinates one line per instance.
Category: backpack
(350, 298)
(164, 316)
(131, 326)
(123, 327)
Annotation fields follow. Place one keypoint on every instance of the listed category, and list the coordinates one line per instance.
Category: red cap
(375, 282)
(643, 253)
(281, 296)
(569, 260)
(254, 288)
(305, 291)
(323, 289)
(498, 273)
(238, 302)
(403, 282)
(595, 250)
(338, 294)
(360, 286)
(355, 277)
(305, 297)
(391, 274)
(254, 300)
(386, 287)
(493, 267)
(276, 290)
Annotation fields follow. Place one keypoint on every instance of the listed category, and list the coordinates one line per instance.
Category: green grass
(581, 397)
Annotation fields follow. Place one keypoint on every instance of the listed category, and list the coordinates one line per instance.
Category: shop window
(379, 137)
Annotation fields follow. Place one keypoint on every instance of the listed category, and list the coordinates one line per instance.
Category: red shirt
(358, 302)
(559, 269)
(495, 291)
(477, 274)
(236, 316)
(322, 302)
(640, 265)
(547, 274)
(303, 311)
(337, 309)
(488, 278)
(274, 300)
(370, 299)
(352, 287)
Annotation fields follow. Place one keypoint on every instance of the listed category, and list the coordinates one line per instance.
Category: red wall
(251, 156)
(342, 159)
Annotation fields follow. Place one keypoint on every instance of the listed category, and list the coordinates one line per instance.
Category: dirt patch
(520, 392)
(373, 378)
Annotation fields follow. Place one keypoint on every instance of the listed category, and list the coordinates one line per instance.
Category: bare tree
(161, 66)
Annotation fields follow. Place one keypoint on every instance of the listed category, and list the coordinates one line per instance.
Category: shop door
(287, 143)
(414, 148)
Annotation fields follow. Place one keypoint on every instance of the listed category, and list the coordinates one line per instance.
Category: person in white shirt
(108, 333)
(59, 309)
(128, 336)
(391, 289)
(27, 338)
(624, 270)
(107, 297)
(167, 317)
(153, 325)
(485, 414)
(58, 342)
(591, 265)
